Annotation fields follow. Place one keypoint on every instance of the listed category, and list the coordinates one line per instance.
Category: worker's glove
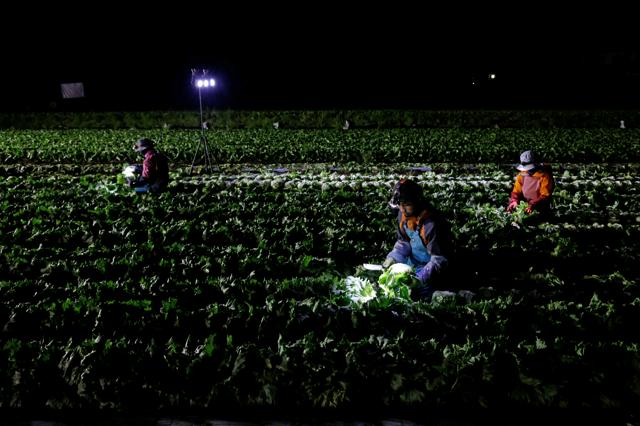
(425, 273)
(512, 205)
(388, 262)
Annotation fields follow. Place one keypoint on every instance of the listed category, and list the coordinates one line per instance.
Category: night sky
(392, 61)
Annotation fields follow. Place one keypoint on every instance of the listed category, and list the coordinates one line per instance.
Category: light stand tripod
(203, 137)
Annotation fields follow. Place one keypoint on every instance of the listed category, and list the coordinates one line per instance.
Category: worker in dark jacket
(154, 175)
(420, 240)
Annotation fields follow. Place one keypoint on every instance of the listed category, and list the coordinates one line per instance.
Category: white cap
(527, 161)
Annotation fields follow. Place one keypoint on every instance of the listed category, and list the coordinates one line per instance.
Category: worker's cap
(143, 144)
(406, 191)
(527, 161)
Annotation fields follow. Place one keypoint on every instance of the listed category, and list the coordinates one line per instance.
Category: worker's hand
(512, 206)
(388, 262)
(425, 273)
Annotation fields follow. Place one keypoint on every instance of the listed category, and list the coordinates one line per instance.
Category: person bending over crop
(534, 184)
(155, 168)
(420, 236)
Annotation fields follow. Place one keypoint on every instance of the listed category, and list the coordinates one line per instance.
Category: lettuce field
(228, 290)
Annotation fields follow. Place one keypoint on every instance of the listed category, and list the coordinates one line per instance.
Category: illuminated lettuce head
(399, 277)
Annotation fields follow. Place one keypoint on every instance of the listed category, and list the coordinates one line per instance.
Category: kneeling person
(418, 243)
(155, 168)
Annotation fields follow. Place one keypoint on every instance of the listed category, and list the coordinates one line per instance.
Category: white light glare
(205, 83)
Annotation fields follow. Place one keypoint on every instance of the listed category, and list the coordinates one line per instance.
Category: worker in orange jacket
(534, 184)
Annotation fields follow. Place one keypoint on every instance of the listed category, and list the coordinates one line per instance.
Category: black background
(322, 56)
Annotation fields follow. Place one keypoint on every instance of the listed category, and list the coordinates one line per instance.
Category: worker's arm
(401, 251)
(149, 168)
(438, 259)
(516, 194)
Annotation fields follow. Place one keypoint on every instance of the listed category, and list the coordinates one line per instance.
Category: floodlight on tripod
(202, 81)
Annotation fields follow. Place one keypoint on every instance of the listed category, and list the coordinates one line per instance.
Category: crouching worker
(154, 173)
(420, 237)
(534, 184)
